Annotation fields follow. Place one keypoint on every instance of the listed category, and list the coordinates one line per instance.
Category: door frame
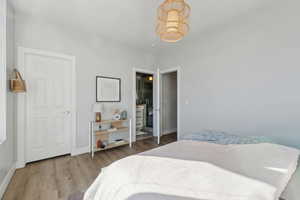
(3, 76)
(21, 103)
(166, 71)
(154, 74)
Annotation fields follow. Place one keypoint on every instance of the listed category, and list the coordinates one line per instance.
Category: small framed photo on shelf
(108, 89)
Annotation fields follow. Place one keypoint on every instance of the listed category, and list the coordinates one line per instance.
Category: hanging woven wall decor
(17, 84)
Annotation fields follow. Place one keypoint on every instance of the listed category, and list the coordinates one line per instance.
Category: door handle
(67, 112)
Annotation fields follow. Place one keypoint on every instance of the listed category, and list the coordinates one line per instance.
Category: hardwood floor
(58, 178)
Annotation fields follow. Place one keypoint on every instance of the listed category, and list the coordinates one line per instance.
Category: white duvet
(190, 170)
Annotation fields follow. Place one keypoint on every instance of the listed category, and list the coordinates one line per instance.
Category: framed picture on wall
(108, 89)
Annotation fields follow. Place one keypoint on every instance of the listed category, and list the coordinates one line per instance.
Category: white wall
(94, 56)
(7, 149)
(169, 102)
(244, 76)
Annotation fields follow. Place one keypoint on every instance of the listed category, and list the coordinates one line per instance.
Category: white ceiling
(132, 22)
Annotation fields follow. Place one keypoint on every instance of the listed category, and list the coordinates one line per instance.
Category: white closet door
(48, 106)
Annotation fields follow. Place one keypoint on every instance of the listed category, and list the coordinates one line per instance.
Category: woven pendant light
(172, 19)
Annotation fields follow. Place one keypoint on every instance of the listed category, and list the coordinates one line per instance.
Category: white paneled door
(49, 107)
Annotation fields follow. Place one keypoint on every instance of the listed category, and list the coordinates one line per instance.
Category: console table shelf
(112, 145)
(111, 137)
(123, 129)
(110, 121)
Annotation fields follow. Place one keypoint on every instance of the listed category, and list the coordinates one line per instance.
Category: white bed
(191, 170)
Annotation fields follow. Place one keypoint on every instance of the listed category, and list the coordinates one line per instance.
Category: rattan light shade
(173, 20)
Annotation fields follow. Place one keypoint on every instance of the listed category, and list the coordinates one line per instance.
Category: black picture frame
(98, 79)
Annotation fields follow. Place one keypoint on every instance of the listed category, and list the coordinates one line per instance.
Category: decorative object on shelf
(117, 116)
(98, 109)
(108, 89)
(98, 117)
(101, 140)
(17, 84)
(172, 18)
(123, 115)
(100, 144)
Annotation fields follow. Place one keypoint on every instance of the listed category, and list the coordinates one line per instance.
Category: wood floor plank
(33, 188)
(48, 182)
(58, 178)
(17, 184)
(79, 184)
(102, 159)
(63, 176)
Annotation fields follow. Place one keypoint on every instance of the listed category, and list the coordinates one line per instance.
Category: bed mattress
(276, 169)
(270, 164)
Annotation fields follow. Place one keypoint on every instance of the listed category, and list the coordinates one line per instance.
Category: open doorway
(144, 105)
(169, 103)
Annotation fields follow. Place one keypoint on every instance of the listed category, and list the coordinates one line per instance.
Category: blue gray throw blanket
(219, 137)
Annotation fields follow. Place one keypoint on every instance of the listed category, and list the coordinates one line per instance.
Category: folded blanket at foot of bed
(219, 137)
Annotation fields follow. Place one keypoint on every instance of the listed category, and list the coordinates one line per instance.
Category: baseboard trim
(170, 131)
(20, 165)
(7, 180)
(79, 151)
